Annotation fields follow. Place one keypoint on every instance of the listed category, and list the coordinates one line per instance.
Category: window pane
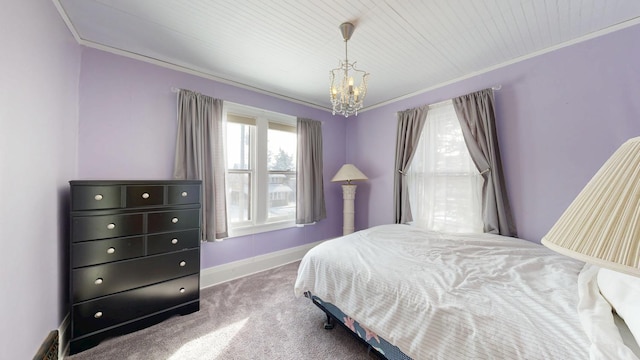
(238, 146)
(453, 155)
(238, 197)
(281, 163)
(282, 196)
(281, 150)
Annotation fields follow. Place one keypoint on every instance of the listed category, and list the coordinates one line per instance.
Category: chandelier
(347, 97)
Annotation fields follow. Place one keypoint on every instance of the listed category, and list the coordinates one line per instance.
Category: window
(261, 169)
(445, 187)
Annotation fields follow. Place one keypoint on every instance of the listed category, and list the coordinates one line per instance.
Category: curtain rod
(448, 101)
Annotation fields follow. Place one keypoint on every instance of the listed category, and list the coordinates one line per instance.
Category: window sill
(257, 229)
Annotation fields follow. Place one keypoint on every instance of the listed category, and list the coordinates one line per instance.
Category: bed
(416, 294)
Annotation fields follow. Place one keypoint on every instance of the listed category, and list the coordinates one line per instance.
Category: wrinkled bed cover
(452, 296)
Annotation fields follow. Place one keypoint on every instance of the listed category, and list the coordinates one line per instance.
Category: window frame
(259, 173)
(442, 223)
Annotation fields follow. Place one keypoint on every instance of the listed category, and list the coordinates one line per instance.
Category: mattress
(444, 296)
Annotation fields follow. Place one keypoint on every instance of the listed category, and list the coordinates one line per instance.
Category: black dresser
(134, 256)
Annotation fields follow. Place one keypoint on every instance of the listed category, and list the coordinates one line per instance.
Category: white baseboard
(237, 269)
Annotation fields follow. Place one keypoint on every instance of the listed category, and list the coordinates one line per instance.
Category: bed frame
(378, 346)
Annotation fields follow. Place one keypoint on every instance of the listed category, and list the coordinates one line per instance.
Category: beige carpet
(256, 317)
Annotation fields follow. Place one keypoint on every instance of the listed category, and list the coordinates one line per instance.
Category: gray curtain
(410, 124)
(200, 155)
(310, 187)
(477, 119)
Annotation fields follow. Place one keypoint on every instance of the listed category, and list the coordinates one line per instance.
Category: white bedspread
(452, 296)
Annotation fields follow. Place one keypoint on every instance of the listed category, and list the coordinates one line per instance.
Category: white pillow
(622, 291)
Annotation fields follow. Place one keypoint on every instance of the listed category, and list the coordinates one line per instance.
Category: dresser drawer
(96, 197)
(144, 195)
(184, 194)
(111, 310)
(173, 220)
(173, 241)
(103, 251)
(106, 226)
(100, 280)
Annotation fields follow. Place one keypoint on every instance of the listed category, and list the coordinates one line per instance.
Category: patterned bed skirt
(376, 344)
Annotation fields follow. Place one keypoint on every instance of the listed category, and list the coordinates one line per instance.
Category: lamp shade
(348, 173)
(602, 225)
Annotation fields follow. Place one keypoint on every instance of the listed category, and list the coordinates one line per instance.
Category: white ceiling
(287, 47)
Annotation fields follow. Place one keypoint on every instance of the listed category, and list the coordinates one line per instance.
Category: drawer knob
(111, 226)
(174, 220)
(98, 197)
(183, 263)
(98, 315)
(174, 241)
(182, 290)
(145, 195)
(98, 281)
(184, 194)
(111, 250)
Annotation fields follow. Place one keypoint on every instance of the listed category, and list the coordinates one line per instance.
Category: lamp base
(348, 210)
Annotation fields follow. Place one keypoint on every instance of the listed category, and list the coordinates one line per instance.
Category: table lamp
(602, 224)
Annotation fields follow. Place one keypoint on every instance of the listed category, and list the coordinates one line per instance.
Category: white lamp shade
(602, 225)
(348, 172)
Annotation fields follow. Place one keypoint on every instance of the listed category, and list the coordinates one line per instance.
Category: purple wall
(560, 116)
(72, 113)
(128, 128)
(39, 68)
